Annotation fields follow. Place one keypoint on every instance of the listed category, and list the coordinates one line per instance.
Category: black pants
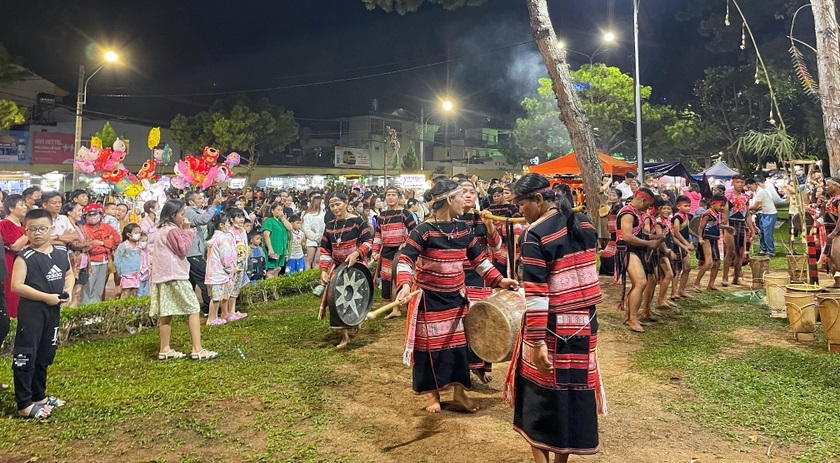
(35, 344)
(198, 267)
(4, 315)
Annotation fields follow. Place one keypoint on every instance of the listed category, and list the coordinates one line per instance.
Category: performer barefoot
(347, 238)
(553, 381)
(632, 254)
(477, 289)
(682, 246)
(735, 214)
(614, 205)
(666, 253)
(436, 345)
(394, 225)
(708, 253)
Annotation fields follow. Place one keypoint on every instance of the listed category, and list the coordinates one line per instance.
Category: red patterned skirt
(440, 347)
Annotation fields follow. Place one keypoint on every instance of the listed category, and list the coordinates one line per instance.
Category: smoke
(494, 68)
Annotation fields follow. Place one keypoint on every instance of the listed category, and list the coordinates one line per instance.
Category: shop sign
(14, 146)
(52, 148)
(353, 158)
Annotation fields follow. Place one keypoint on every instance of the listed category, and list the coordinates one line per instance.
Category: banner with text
(14, 147)
(354, 158)
(52, 148)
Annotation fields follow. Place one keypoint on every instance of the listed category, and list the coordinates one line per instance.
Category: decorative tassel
(726, 18)
(743, 36)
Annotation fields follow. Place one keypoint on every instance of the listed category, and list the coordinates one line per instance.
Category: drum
(350, 294)
(492, 325)
(775, 286)
(829, 305)
(801, 310)
(798, 268)
(759, 266)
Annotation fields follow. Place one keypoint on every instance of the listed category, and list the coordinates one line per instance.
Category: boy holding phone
(42, 279)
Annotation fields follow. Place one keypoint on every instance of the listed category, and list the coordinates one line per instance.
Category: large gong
(350, 294)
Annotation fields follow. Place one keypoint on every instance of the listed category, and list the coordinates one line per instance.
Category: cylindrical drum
(775, 287)
(797, 268)
(801, 310)
(492, 325)
(759, 266)
(829, 305)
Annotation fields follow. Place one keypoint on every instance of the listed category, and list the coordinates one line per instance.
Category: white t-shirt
(763, 197)
(625, 190)
(62, 225)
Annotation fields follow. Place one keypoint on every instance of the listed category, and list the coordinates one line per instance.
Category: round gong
(350, 294)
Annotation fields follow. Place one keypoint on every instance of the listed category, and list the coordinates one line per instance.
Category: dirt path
(383, 420)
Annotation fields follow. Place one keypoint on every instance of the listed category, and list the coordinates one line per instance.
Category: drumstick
(498, 218)
(386, 307)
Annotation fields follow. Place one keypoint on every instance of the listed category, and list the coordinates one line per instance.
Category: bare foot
(724, 283)
(713, 288)
(695, 288)
(484, 375)
(465, 401)
(394, 314)
(685, 295)
(345, 339)
(635, 326)
(433, 402)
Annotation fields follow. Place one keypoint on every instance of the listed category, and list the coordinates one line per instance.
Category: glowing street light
(606, 40)
(445, 106)
(81, 101)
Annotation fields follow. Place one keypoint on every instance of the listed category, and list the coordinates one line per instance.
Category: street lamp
(81, 101)
(638, 92)
(606, 40)
(445, 106)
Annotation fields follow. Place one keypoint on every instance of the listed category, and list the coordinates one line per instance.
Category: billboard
(52, 148)
(14, 146)
(353, 158)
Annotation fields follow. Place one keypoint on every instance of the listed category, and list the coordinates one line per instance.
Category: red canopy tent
(568, 165)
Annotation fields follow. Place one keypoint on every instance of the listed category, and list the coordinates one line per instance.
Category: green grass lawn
(790, 394)
(123, 400)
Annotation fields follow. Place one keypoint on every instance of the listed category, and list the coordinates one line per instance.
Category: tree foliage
(410, 162)
(252, 128)
(411, 6)
(541, 133)
(107, 135)
(10, 72)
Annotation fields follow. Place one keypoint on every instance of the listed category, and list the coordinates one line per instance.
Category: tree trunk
(571, 110)
(828, 66)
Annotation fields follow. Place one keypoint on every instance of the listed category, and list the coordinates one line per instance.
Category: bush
(132, 314)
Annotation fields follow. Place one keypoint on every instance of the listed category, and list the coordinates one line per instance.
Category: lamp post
(638, 91)
(607, 39)
(81, 101)
(445, 106)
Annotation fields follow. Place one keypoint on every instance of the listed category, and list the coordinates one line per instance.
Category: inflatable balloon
(233, 159)
(104, 156)
(83, 166)
(114, 160)
(166, 155)
(115, 175)
(121, 186)
(178, 182)
(133, 190)
(95, 142)
(154, 137)
(210, 155)
(148, 170)
(119, 145)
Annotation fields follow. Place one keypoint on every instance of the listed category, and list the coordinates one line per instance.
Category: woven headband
(447, 194)
(644, 195)
(716, 201)
(832, 180)
(683, 201)
(533, 193)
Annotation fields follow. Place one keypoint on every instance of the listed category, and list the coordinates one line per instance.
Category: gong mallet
(373, 314)
(498, 218)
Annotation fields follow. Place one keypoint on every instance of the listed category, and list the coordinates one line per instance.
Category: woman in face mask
(149, 220)
(79, 251)
(127, 259)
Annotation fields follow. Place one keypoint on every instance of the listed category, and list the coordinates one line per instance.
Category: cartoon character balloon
(148, 170)
(154, 137)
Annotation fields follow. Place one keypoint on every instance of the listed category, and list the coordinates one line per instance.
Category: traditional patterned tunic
(476, 287)
(679, 224)
(710, 232)
(502, 256)
(393, 229)
(608, 266)
(738, 211)
(435, 340)
(342, 238)
(558, 411)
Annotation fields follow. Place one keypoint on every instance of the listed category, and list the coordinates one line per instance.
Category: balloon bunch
(105, 162)
(204, 171)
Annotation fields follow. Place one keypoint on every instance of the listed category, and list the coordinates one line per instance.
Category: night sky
(328, 58)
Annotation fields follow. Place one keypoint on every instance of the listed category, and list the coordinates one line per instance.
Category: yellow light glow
(446, 105)
(609, 37)
(110, 57)
(561, 44)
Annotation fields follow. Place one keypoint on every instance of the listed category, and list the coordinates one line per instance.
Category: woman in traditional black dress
(394, 224)
(347, 238)
(553, 381)
(432, 261)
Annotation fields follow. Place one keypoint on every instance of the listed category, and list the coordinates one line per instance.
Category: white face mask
(142, 245)
(135, 237)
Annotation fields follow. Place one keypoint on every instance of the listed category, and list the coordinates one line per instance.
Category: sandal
(217, 321)
(54, 401)
(204, 354)
(171, 354)
(37, 412)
